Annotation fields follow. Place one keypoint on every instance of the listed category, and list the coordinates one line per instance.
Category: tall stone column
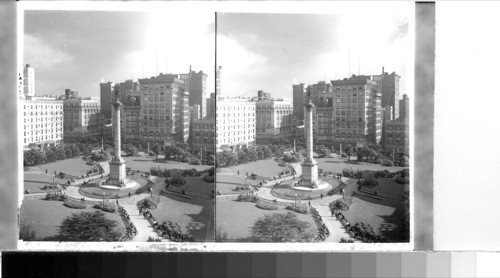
(117, 167)
(310, 166)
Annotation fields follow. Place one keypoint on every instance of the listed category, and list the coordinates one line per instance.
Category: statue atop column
(309, 166)
(117, 167)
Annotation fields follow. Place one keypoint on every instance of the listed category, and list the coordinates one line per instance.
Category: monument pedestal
(117, 172)
(309, 174)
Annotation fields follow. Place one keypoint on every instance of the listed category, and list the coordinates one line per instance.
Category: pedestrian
(309, 202)
(321, 196)
(129, 195)
(238, 173)
(46, 171)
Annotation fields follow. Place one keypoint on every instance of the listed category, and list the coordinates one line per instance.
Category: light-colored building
(82, 119)
(235, 123)
(28, 81)
(274, 120)
(196, 112)
(348, 113)
(42, 121)
(164, 110)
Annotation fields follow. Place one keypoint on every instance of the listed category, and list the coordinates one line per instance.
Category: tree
(157, 149)
(348, 151)
(242, 157)
(26, 232)
(279, 227)
(89, 226)
(29, 158)
(130, 149)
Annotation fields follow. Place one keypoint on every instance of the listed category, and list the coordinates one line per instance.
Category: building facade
(235, 123)
(211, 107)
(298, 101)
(28, 81)
(106, 93)
(388, 86)
(196, 84)
(82, 119)
(164, 110)
(203, 135)
(348, 113)
(396, 137)
(43, 121)
(274, 120)
(404, 108)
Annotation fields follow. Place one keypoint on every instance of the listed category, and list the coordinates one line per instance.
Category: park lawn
(237, 218)
(46, 216)
(389, 188)
(266, 168)
(72, 166)
(146, 163)
(336, 165)
(227, 183)
(34, 181)
(194, 215)
(384, 216)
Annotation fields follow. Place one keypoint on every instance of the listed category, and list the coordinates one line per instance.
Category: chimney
(383, 70)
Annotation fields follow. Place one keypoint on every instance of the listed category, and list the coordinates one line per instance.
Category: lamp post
(103, 196)
(295, 200)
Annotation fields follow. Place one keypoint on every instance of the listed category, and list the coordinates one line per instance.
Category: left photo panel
(116, 126)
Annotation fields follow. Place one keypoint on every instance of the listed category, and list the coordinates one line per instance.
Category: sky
(80, 49)
(271, 52)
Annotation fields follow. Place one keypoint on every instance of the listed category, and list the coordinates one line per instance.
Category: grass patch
(74, 204)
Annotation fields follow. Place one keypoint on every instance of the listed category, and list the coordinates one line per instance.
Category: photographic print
(313, 127)
(117, 134)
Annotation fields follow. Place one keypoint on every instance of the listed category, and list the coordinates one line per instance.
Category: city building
(196, 113)
(106, 93)
(396, 137)
(388, 86)
(348, 113)
(196, 84)
(211, 106)
(404, 108)
(203, 135)
(164, 109)
(28, 81)
(235, 119)
(261, 95)
(218, 84)
(68, 93)
(274, 120)
(42, 121)
(298, 101)
(82, 119)
(131, 120)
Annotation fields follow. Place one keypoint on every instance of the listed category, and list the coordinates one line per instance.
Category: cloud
(42, 55)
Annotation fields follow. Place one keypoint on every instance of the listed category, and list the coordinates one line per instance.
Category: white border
(316, 7)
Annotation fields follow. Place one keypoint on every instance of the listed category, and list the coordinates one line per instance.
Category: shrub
(147, 203)
(175, 232)
(388, 162)
(209, 178)
(366, 232)
(404, 180)
(106, 207)
(49, 186)
(178, 181)
(370, 183)
(266, 206)
(74, 204)
(190, 173)
(154, 239)
(302, 208)
(344, 240)
(247, 198)
(221, 234)
(195, 161)
(341, 204)
(56, 197)
(240, 188)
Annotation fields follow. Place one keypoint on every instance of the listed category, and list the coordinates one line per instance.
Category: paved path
(336, 229)
(144, 228)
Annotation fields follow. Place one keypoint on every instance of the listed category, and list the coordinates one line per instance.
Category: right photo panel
(313, 128)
